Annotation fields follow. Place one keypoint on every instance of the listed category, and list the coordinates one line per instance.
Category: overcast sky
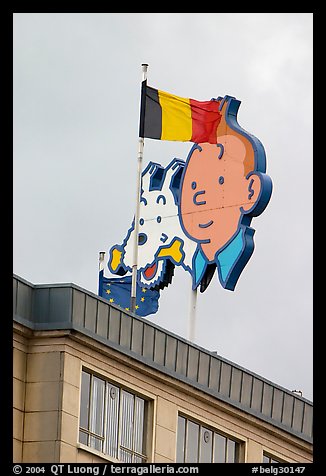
(76, 116)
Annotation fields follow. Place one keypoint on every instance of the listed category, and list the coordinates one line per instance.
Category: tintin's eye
(221, 180)
(159, 219)
(141, 221)
(193, 185)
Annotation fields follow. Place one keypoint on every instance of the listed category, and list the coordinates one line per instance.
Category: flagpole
(136, 225)
(101, 258)
(192, 315)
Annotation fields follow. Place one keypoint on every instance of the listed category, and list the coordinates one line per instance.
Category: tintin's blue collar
(225, 260)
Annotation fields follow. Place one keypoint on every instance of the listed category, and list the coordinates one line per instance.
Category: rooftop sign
(197, 214)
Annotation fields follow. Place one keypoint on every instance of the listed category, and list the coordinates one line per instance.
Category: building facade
(93, 383)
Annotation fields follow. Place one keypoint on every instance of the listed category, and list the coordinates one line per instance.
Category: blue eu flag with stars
(118, 290)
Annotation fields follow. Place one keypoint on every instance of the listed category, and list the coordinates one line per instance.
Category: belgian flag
(164, 116)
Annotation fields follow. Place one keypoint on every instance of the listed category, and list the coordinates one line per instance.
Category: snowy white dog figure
(162, 243)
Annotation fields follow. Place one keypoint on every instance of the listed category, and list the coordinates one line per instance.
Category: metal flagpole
(101, 258)
(136, 230)
(192, 315)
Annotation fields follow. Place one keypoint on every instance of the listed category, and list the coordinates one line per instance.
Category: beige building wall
(47, 379)
(19, 378)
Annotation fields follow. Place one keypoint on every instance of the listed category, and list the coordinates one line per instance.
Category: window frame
(271, 457)
(239, 443)
(147, 419)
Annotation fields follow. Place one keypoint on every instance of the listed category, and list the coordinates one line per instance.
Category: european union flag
(118, 291)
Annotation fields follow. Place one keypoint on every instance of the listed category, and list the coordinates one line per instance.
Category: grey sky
(76, 111)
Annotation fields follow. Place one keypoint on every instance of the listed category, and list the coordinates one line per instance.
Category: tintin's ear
(254, 189)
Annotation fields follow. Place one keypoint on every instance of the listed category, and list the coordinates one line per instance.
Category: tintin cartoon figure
(223, 187)
(197, 215)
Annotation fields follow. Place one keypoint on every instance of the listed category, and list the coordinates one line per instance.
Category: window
(270, 459)
(199, 444)
(112, 419)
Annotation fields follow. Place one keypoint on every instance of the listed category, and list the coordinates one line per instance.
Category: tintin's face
(213, 191)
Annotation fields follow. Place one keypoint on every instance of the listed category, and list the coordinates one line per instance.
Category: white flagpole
(139, 173)
(101, 258)
(192, 315)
